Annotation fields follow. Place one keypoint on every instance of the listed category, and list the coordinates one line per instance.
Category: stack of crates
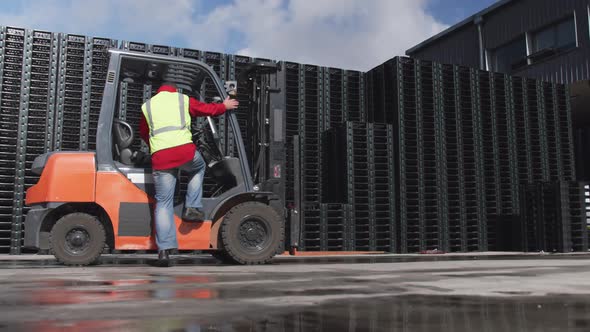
(12, 49)
(550, 112)
(334, 227)
(489, 143)
(587, 203)
(37, 112)
(567, 162)
(83, 65)
(74, 76)
(320, 104)
(310, 129)
(432, 158)
(382, 186)
(217, 62)
(466, 140)
(311, 227)
(100, 65)
(537, 135)
(354, 96)
(358, 185)
(334, 111)
(573, 210)
(554, 218)
(244, 114)
(522, 129)
(292, 74)
(472, 217)
(454, 171)
(408, 152)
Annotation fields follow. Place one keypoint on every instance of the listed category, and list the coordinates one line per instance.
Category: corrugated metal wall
(511, 21)
(461, 47)
(516, 18)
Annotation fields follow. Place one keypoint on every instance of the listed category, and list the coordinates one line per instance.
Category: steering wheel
(123, 134)
(123, 138)
(203, 139)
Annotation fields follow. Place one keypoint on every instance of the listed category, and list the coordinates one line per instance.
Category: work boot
(193, 214)
(164, 258)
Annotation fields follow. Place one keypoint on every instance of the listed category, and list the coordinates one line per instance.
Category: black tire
(252, 233)
(77, 239)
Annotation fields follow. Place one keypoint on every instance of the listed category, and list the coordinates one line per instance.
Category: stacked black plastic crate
(553, 216)
(336, 223)
(500, 157)
(450, 121)
(12, 49)
(354, 96)
(432, 157)
(382, 187)
(73, 79)
(470, 154)
(217, 62)
(310, 124)
(208, 185)
(83, 63)
(409, 95)
(334, 98)
(99, 66)
(333, 227)
(358, 179)
(236, 65)
(409, 200)
(292, 74)
(489, 142)
(37, 114)
(310, 130)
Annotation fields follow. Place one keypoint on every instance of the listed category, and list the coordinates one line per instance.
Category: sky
(350, 34)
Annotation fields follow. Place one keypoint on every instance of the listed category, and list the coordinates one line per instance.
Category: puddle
(405, 313)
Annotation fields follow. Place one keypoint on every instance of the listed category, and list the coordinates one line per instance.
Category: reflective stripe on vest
(162, 119)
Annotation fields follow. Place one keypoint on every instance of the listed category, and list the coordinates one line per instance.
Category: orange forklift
(86, 201)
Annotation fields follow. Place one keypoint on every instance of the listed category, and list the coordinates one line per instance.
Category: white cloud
(353, 34)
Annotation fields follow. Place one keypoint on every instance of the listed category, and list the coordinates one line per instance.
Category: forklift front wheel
(251, 233)
(77, 239)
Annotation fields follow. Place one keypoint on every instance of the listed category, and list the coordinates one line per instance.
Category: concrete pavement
(484, 292)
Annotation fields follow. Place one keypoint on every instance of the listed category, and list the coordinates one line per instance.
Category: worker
(165, 127)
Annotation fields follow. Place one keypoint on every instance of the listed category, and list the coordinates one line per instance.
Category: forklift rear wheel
(252, 233)
(77, 239)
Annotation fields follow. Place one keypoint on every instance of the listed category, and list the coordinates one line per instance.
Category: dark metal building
(544, 39)
(541, 39)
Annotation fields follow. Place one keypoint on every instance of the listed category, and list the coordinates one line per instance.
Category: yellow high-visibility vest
(169, 120)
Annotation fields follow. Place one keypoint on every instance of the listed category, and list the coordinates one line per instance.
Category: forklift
(86, 201)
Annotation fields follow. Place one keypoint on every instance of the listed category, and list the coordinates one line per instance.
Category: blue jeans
(165, 183)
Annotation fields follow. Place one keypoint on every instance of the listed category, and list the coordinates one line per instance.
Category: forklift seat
(123, 139)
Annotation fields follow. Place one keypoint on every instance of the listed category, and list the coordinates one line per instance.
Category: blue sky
(453, 11)
(353, 34)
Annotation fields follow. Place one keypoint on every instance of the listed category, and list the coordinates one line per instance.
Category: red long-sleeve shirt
(178, 155)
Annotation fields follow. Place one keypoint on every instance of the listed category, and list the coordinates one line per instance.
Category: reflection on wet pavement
(409, 313)
(309, 294)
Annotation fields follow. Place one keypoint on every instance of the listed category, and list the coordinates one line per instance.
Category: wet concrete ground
(376, 293)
